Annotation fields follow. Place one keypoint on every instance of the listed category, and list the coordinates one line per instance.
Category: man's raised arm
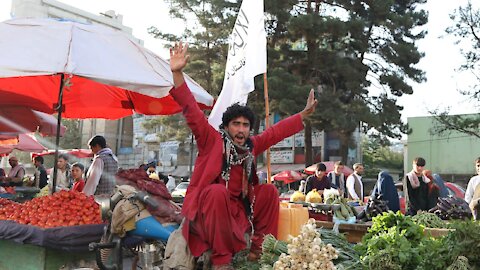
(178, 61)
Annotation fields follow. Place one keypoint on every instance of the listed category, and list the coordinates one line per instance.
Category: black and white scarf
(235, 155)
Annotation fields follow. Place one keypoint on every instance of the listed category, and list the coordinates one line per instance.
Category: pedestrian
(386, 188)
(64, 179)
(101, 173)
(77, 175)
(417, 197)
(473, 182)
(337, 178)
(171, 183)
(224, 200)
(354, 183)
(40, 179)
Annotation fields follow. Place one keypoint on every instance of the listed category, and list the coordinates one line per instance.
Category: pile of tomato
(63, 208)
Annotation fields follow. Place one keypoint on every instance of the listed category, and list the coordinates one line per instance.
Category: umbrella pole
(57, 138)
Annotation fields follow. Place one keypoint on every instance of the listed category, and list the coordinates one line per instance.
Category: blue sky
(441, 59)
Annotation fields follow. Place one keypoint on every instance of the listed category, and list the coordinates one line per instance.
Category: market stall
(48, 232)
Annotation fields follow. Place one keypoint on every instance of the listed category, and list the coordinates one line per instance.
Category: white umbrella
(83, 71)
(34, 47)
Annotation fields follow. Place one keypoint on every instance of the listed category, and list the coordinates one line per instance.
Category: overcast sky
(441, 59)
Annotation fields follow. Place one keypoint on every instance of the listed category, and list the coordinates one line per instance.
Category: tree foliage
(72, 137)
(466, 28)
(173, 127)
(345, 48)
(378, 156)
(340, 48)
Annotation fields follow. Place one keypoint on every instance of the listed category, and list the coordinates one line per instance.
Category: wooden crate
(436, 232)
(353, 232)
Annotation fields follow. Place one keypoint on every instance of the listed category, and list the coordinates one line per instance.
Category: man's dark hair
(63, 156)
(79, 165)
(236, 110)
(420, 161)
(477, 160)
(39, 159)
(98, 140)
(339, 163)
(321, 167)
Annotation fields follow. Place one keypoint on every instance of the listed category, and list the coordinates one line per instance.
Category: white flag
(247, 57)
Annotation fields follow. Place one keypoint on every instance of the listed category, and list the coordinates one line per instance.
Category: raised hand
(310, 106)
(178, 57)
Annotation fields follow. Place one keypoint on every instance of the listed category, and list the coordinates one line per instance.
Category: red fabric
(288, 176)
(227, 236)
(79, 153)
(79, 185)
(26, 142)
(166, 212)
(210, 159)
(83, 99)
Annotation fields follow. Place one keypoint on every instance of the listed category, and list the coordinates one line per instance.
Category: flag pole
(267, 124)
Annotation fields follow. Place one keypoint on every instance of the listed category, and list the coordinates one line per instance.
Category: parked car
(178, 194)
(452, 188)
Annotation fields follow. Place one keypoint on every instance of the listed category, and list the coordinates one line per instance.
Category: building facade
(450, 155)
(118, 133)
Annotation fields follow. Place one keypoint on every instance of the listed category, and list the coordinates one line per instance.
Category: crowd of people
(421, 188)
(99, 179)
(96, 179)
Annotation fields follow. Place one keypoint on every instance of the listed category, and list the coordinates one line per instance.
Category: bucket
(150, 228)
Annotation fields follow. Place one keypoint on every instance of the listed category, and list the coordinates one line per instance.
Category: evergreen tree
(340, 48)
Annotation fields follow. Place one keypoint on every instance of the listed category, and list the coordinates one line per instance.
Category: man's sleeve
(469, 191)
(196, 119)
(351, 187)
(308, 185)
(95, 172)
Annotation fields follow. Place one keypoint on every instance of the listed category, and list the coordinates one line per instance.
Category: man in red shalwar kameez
(224, 199)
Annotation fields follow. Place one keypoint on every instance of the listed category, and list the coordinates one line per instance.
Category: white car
(178, 194)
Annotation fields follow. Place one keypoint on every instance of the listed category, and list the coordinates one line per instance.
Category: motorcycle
(146, 242)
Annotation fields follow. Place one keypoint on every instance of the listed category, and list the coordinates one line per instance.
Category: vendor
(16, 174)
(319, 181)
